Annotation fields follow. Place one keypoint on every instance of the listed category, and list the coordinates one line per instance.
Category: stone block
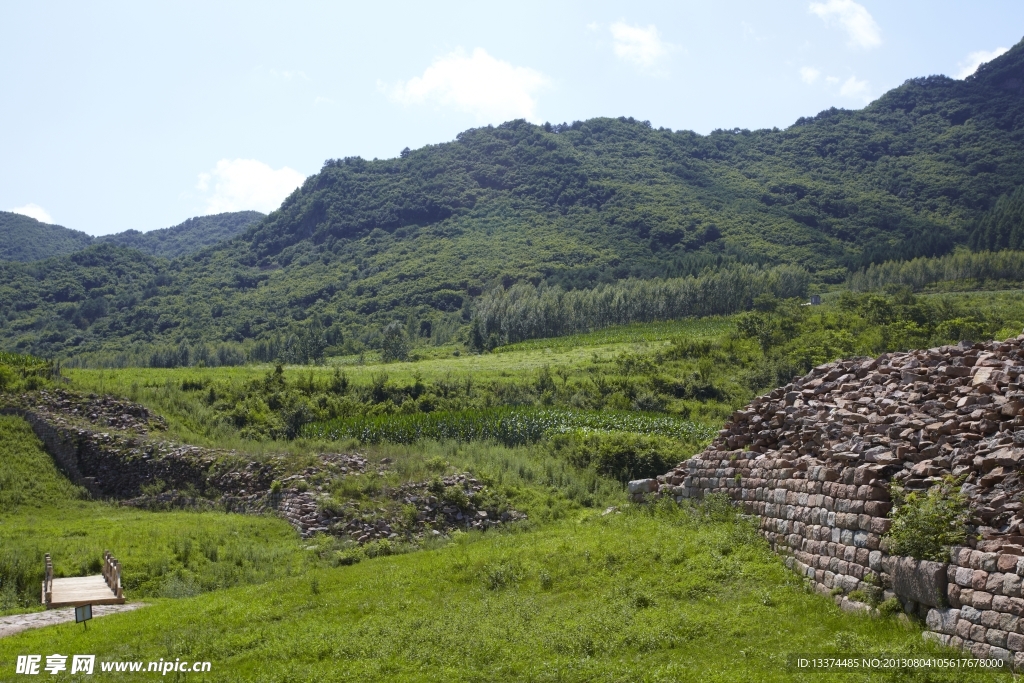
(982, 600)
(979, 579)
(943, 620)
(964, 576)
(922, 581)
(963, 629)
(996, 652)
(1011, 585)
(970, 614)
(990, 618)
(994, 583)
(995, 637)
(875, 560)
(642, 486)
(1007, 563)
(1015, 642)
(953, 594)
(1008, 622)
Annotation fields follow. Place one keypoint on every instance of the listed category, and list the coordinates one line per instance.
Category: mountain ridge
(420, 236)
(26, 239)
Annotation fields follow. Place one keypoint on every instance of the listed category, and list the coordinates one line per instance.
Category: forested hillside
(25, 239)
(190, 236)
(421, 237)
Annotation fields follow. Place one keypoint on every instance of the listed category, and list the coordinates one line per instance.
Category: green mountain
(190, 236)
(26, 239)
(574, 205)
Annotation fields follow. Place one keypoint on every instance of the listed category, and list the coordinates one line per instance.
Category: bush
(622, 455)
(925, 525)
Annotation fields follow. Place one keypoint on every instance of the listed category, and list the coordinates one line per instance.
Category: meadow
(589, 587)
(666, 593)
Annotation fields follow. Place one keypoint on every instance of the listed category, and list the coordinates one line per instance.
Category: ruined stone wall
(814, 461)
(125, 461)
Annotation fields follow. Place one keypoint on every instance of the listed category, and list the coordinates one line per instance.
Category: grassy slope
(179, 553)
(635, 596)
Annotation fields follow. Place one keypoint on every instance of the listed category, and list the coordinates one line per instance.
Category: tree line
(526, 311)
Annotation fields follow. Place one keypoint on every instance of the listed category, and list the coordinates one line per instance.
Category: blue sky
(140, 115)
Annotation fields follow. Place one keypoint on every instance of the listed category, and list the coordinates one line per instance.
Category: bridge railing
(112, 573)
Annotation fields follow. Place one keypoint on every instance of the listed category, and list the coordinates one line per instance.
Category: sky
(117, 116)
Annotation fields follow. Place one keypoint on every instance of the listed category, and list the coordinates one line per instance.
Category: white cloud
(831, 80)
(976, 59)
(855, 89)
(638, 45)
(593, 26)
(809, 74)
(247, 184)
(34, 211)
(488, 88)
(860, 26)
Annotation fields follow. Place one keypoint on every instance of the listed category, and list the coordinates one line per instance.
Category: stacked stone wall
(814, 461)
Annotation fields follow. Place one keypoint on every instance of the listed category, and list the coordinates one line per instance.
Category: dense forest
(26, 239)
(573, 207)
(185, 238)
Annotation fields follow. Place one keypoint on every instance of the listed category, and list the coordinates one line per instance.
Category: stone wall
(814, 461)
(127, 463)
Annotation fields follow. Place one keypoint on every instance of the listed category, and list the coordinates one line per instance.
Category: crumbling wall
(814, 461)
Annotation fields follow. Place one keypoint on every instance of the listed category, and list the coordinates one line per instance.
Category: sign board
(83, 613)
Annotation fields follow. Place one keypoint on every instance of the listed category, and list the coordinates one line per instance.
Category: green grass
(170, 554)
(666, 596)
(645, 333)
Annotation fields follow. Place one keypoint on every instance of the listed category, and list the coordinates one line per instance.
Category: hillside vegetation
(25, 239)
(185, 238)
(421, 237)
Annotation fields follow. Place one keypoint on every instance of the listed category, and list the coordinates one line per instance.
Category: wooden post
(48, 580)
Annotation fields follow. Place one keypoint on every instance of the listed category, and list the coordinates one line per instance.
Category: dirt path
(16, 623)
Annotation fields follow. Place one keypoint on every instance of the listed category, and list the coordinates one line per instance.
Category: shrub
(622, 455)
(925, 525)
(890, 607)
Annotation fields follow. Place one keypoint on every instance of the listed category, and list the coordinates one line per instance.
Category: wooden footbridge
(100, 589)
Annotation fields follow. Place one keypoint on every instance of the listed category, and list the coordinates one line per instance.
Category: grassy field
(665, 595)
(163, 554)
(639, 594)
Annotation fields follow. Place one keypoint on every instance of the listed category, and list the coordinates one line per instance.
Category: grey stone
(964, 576)
(943, 620)
(922, 581)
(642, 486)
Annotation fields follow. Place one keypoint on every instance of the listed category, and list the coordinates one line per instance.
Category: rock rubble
(814, 461)
(127, 463)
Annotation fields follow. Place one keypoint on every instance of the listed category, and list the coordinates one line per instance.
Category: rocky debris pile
(815, 460)
(405, 512)
(100, 411)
